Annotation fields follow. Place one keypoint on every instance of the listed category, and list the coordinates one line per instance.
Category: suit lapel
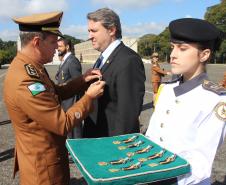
(110, 59)
(61, 67)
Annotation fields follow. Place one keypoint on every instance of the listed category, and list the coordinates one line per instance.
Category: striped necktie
(98, 62)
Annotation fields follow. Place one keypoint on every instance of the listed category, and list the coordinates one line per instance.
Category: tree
(146, 45)
(73, 39)
(7, 51)
(217, 15)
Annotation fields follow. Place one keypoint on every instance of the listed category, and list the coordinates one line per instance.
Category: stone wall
(84, 51)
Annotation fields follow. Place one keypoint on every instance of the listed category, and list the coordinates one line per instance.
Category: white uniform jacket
(190, 121)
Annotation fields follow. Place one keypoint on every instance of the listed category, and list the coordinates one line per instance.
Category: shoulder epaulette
(31, 71)
(214, 87)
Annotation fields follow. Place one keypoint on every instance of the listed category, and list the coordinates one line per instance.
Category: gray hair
(108, 18)
(26, 37)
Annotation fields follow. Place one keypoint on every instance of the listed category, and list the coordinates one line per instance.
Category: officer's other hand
(96, 89)
(92, 74)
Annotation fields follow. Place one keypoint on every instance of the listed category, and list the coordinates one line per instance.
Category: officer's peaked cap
(46, 22)
(193, 30)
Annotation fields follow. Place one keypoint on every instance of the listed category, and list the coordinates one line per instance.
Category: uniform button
(161, 139)
(167, 111)
(177, 101)
(161, 125)
(77, 115)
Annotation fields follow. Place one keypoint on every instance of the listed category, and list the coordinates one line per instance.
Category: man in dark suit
(69, 68)
(117, 111)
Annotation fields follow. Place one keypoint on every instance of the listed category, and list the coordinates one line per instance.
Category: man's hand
(92, 74)
(96, 89)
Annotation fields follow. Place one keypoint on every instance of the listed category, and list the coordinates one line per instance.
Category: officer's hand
(96, 89)
(92, 74)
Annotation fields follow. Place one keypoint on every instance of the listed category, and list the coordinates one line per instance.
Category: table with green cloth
(125, 159)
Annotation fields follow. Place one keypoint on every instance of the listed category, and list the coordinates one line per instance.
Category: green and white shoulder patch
(36, 88)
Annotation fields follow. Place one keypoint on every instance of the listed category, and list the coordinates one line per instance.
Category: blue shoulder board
(214, 87)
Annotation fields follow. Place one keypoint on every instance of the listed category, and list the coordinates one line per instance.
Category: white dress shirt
(107, 52)
(64, 58)
(185, 122)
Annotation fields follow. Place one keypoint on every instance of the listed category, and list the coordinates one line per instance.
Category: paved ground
(7, 136)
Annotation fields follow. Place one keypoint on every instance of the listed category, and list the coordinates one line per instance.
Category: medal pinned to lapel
(220, 111)
(62, 75)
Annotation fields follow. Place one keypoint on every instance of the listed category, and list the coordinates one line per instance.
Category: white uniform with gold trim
(190, 121)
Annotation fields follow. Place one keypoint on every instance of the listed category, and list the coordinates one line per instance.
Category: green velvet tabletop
(87, 153)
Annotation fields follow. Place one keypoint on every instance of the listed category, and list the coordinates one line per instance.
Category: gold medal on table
(121, 147)
(116, 142)
(114, 170)
(130, 154)
(156, 155)
(133, 166)
(168, 159)
(144, 150)
(135, 144)
(131, 139)
(102, 163)
(142, 159)
(153, 164)
(120, 161)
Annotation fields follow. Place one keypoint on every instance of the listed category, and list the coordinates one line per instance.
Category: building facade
(85, 53)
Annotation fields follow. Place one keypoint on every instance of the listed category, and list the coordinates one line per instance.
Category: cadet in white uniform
(190, 114)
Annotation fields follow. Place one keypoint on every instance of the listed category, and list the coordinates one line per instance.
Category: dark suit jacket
(118, 110)
(71, 68)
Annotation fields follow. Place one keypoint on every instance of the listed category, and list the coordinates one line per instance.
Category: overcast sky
(138, 17)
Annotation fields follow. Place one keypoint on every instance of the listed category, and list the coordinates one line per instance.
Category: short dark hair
(26, 37)
(108, 18)
(67, 42)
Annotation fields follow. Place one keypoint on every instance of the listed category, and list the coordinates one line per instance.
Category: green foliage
(7, 51)
(73, 39)
(146, 45)
(217, 15)
(149, 43)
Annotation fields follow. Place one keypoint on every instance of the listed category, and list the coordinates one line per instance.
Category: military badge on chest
(220, 111)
